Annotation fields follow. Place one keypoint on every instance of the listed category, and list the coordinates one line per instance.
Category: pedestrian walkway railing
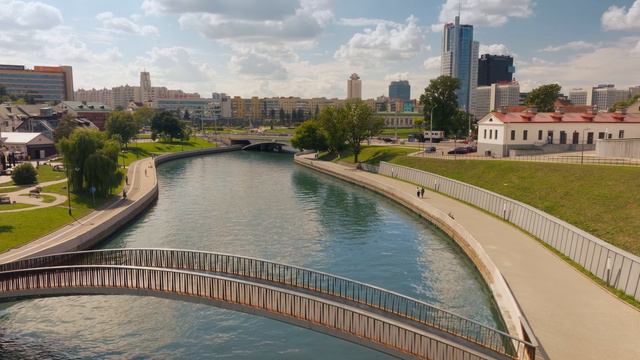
(616, 267)
(298, 278)
(300, 309)
(568, 159)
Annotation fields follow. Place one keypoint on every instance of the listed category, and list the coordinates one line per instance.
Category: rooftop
(560, 117)
(86, 106)
(18, 137)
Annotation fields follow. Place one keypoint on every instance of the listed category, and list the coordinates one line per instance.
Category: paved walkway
(18, 197)
(142, 179)
(572, 316)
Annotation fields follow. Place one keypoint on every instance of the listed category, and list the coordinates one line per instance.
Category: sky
(309, 48)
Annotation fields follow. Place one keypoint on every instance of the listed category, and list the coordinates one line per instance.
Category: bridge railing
(298, 277)
(348, 322)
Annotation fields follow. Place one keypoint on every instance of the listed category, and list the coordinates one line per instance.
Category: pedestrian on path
(145, 172)
(124, 194)
(422, 192)
(418, 191)
(126, 179)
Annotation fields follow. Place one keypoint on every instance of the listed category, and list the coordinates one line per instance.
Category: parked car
(459, 150)
(387, 139)
(430, 149)
(472, 148)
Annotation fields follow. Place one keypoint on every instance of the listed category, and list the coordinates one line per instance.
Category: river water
(260, 205)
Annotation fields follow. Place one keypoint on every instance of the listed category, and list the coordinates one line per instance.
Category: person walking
(126, 179)
(422, 192)
(418, 191)
(124, 194)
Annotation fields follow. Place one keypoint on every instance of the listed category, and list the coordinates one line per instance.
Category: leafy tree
(309, 135)
(300, 115)
(332, 122)
(623, 104)
(186, 133)
(66, 125)
(121, 123)
(441, 96)
(143, 116)
(101, 169)
(316, 112)
(544, 97)
(186, 115)
(272, 114)
(24, 174)
(78, 148)
(417, 123)
(167, 125)
(358, 122)
(459, 124)
(294, 116)
(374, 127)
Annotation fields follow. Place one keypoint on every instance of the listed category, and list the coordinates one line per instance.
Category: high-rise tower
(460, 60)
(354, 87)
(146, 93)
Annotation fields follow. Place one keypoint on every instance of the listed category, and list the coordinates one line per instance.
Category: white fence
(614, 266)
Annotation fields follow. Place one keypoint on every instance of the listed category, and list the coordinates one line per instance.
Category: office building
(600, 97)
(494, 97)
(42, 83)
(460, 60)
(146, 92)
(493, 69)
(354, 87)
(400, 90)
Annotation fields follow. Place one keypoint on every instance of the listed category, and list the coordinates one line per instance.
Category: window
(525, 134)
(600, 135)
(491, 134)
(485, 134)
(496, 134)
(621, 134)
(513, 134)
(539, 134)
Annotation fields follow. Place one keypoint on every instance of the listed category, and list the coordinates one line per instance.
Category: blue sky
(310, 47)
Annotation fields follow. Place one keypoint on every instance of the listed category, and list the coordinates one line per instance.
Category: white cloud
(397, 76)
(247, 9)
(177, 65)
(484, 12)
(618, 18)
(494, 49)
(572, 45)
(16, 15)
(360, 22)
(432, 63)
(124, 25)
(257, 65)
(385, 42)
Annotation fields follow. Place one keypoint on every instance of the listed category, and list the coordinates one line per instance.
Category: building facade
(354, 87)
(28, 145)
(601, 97)
(400, 119)
(97, 113)
(104, 96)
(494, 97)
(459, 59)
(146, 92)
(493, 69)
(197, 108)
(42, 83)
(499, 133)
(400, 90)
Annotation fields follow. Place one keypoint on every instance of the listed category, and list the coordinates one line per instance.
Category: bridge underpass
(357, 312)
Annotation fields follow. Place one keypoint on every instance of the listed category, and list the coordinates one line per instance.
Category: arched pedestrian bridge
(354, 311)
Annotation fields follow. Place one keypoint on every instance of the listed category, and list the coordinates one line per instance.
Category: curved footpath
(572, 317)
(91, 229)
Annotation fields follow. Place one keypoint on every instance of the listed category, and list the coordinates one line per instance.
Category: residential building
(501, 132)
(28, 118)
(601, 97)
(28, 145)
(459, 59)
(104, 96)
(42, 83)
(634, 90)
(95, 112)
(197, 108)
(354, 87)
(146, 92)
(493, 69)
(399, 119)
(400, 90)
(494, 97)
(122, 95)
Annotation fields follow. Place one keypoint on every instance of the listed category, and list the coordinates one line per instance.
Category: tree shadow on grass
(6, 228)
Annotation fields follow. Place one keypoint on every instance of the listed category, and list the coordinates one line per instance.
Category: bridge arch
(269, 146)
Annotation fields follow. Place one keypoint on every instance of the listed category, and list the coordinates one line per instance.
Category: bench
(35, 192)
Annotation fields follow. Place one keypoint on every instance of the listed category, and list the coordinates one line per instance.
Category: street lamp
(582, 147)
(431, 123)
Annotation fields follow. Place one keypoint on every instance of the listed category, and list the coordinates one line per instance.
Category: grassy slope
(371, 154)
(145, 149)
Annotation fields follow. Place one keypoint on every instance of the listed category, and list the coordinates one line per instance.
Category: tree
(316, 112)
(143, 115)
(623, 104)
(332, 122)
(101, 170)
(310, 136)
(167, 125)
(282, 116)
(300, 115)
(78, 148)
(441, 96)
(24, 174)
(294, 116)
(417, 123)
(358, 121)
(121, 123)
(374, 127)
(272, 114)
(186, 132)
(544, 97)
(186, 115)
(66, 125)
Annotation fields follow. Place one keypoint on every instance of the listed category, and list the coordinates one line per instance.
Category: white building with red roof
(529, 131)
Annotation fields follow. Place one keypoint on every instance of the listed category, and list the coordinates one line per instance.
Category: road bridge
(354, 311)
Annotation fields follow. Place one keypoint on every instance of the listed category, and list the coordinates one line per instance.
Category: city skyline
(251, 49)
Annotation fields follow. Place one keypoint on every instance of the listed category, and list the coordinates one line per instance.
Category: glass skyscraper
(460, 60)
(400, 90)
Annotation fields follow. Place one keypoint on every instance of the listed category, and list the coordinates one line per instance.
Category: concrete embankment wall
(100, 232)
(506, 302)
(618, 148)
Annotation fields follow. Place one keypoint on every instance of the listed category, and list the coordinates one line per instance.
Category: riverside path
(572, 316)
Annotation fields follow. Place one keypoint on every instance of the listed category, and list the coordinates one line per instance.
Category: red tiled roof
(554, 117)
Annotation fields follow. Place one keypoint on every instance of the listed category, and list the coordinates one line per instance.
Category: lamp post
(582, 147)
(431, 123)
(68, 190)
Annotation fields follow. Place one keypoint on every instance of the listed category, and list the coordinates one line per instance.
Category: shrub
(24, 174)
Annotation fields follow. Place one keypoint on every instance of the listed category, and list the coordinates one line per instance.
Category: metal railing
(616, 267)
(569, 159)
(296, 277)
(308, 311)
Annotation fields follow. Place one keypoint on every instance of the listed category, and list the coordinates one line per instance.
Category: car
(387, 139)
(472, 148)
(459, 150)
(430, 149)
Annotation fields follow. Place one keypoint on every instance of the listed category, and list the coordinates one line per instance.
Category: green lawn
(7, 189)
(403, 133)
(371, 154)
(145, 149)
(45, 174)
(602, 200)
(13, 207)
